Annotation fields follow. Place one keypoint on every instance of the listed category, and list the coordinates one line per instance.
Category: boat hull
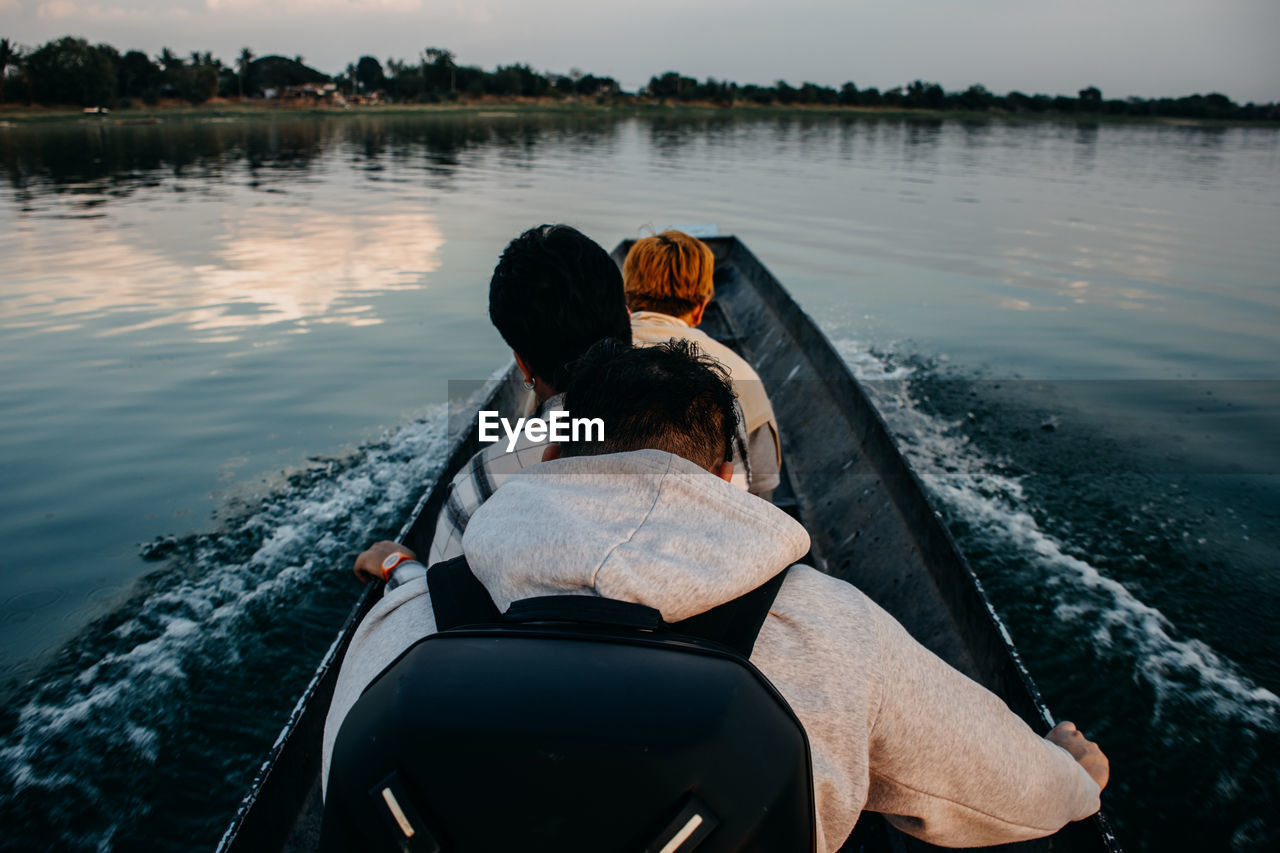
(868, 515)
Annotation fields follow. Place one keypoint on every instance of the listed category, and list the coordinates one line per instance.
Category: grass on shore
(19, 114)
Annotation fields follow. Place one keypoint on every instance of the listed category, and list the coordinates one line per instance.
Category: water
(225, 347)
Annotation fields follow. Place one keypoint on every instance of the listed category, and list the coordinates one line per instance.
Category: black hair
(668, 397)
(553, 294)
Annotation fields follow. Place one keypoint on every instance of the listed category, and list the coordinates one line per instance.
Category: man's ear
(524, 368)
(551, 452)
(695, 316)
(724, 471)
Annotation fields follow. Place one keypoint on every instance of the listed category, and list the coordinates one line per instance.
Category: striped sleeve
(474, 484)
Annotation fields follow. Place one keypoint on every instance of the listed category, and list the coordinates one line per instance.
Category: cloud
(474, 12)
(57, 10)
(315, 8)
(65, 10)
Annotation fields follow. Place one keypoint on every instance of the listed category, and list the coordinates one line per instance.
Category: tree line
(923, 95)
(70, 70)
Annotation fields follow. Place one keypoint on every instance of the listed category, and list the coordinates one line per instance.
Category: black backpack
(572, 724)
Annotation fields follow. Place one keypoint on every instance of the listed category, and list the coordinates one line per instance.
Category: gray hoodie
(892, 728)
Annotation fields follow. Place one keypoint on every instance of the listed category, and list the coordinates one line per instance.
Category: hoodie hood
(646, 526)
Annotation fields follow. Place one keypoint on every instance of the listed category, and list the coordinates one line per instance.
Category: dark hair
(668, 397)
(553, 294)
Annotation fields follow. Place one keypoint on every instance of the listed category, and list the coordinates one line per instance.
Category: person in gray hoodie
(648, 516)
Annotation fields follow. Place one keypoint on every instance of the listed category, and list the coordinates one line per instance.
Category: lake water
(225, 348)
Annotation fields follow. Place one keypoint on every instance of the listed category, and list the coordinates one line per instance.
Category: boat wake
(1089, 640)
(173, 699)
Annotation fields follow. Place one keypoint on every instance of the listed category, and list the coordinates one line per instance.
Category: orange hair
(669, 273)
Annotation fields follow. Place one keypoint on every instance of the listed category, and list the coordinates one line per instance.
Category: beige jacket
(764, 453)
(891, 727)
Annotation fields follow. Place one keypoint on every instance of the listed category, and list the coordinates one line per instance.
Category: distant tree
(812, 93)
(203, 83)
(395, 73)
(1115, 107)
(172, 71)
(138, 77)
(927, 96)
(1017, 102)
(243, 61)
(422, 71)
(277, 72)
(169, 60)
(442, 59)
(196, 81)
(593, 85)
(672, 85)
(757, 94)
(1219, 105)
(518, 79)
(369, 74)
(71, 71)
(976, 97)
(10, 56)
(718, 91)
(405, 81)
(504, 81)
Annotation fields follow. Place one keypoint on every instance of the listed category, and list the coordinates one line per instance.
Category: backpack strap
(586, 609)
(736, 623)
(457, 596)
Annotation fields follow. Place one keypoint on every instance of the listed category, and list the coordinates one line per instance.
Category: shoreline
(15, 114)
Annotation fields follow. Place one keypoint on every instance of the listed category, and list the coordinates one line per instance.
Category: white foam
(972, 486)
(305, 530)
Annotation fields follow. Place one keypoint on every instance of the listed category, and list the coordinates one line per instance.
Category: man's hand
(1083, 750)
(369, 563)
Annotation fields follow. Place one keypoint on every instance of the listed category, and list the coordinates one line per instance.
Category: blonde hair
(670, 273)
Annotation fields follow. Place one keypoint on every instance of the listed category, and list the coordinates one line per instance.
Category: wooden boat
(867, 513)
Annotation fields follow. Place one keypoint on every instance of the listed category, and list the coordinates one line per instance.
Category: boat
(868, 515)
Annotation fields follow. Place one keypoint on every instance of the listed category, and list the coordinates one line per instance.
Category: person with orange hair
(668, 283)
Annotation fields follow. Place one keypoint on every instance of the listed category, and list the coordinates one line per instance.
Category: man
(646, 516)
(553, 294)
(668, 282)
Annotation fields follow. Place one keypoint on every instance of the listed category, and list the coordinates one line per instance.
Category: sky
(1149, 48)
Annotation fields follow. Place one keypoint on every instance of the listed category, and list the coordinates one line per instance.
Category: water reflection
(260, 266)
(248, 268)
(114, 159)
(264, 257)
(1091, 275)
